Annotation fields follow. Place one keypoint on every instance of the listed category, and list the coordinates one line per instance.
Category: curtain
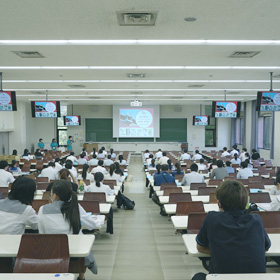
(244, 126)
(272, 136)
(254, 126)
(233, 132)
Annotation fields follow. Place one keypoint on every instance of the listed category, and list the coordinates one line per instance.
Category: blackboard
(99, 130)
(173, 130)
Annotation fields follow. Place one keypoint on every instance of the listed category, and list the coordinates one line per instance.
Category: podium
(89, 147)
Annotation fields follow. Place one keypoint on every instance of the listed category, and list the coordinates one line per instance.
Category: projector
(136, 103)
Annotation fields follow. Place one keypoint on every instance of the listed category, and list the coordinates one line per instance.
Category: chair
(261, 160)
(195, 221)
(167, 185)
(25, 169)
(271, 220)
(36, 204)
(42, 186)
(260, 198)
(43, 253)
(176, 197)
(195, 186)
(256, 185)
(95, 196)
(168, 191)
(179, 177)
(184, 208)
(256, 163)
(268, 181)
(206, 190)
(255, 179)
(110, 183)
(4, 190)
(212, 198)
(90, 206)
(42, 179)
(245, 182)
(214, 182)
(268, 164)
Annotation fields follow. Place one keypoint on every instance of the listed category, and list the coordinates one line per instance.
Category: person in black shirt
(255, 154)
(236, 240)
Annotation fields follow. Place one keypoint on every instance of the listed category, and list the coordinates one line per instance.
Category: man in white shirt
(225, 153)
(158, 154)
(50, 172)
(146, 154)
(185, 155)
(163, 159)
(193, 177)
(5, 177)
(99, 168)
(149, 160)
(72, 157)
(93, 161)
(234, 151)
(58, 166)
(104, 151)
(71, 168)
(244, 172)
(82, 159)
(197, 156)
(108, 161)
(242, 155)
(201, 165)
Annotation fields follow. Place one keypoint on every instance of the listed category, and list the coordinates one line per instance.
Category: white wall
(223, 133)
(7, 121)
(276, 139)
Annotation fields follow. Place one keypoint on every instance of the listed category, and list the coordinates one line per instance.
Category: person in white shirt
(66, 216)
(149, 160)
(58, 166)
(5, 177)
(146, 154)
(104, 151)
(197, 156)
(82, 159)
(185, 155)
(193, 177)
(225, 152)
(158, 154)
(235, 160)
(244, 172)
(101, 155)
(87, 175)
(50, 171)
(276, 189)
(234, 151)
(93, 161)
(108, 161)
(275, 204)
(71, 168)
(242, 155)
(163, 159)
(72, 157)
(201, 165)
(112, 175)
(84, 151)
(99, 168)
(121, 161)
(93, 152)
(98, 185)
(16, 211)
(113, 155)
(26, 155)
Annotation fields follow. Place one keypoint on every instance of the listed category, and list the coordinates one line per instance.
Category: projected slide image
(136, 122)
(270, 101)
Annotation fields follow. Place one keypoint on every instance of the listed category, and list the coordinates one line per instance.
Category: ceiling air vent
(177, 97)
(136, 19)
(94, 97)
(38, 92)
(136, 92)
(195, 86)
(136, 75)
(246, 54)
(233, 92)
(76, 86)
(28, 54)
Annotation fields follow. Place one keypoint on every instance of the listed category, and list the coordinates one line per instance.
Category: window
(239, 131)
(61, 128)
(264, 131)
(210, 130)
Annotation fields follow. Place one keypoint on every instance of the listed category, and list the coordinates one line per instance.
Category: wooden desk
(36, 276)
(79, 245)
(247, 276)
(170, 209)
(204, 198)
(190, 243)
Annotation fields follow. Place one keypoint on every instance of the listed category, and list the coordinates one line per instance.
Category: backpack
(122, 200)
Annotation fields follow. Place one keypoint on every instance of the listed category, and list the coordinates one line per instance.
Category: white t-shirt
(72, 158)
(99, 169)
(233, 152)
(196, 157)
(5, 178)
(158, 154)
(225, 154)
(163, 160)
(192, 177)
(58, 166)
(93, 161)
(108, 162)
(242, 157)
(201, 166)
(146, 155)
(50, 172)
(114, 177)
(82, 161)
(103, 188)
(185, 156)
(244, 173)
(122, 163)
(237, 161)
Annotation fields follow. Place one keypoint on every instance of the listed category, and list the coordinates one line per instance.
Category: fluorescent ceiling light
(142, 96)
(139, 42)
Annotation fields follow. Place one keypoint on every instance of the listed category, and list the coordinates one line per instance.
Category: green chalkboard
(173, 130)
(99, 130)
(136, 139)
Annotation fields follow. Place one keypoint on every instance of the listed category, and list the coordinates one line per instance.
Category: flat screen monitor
(8, 101)
(226, 109)
(201, 120)
(45, 109)
(72, 120)
(268, 101)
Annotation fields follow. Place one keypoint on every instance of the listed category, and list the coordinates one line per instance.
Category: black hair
(158, 167)
(94, 150)
(85, 169)
(235, 156)
(164, 154)
(98, 178)
(23, 189)
(220, 163)
(169, 162)
(70, 207)
(84, 149)
(94, 155)
(100, 162)
(178, 167)
(72, 153)
(228, 163)
(25, 152)
(225, 148)
(153, 162)
(53, 139)
(109, 156)
(100, 151)
(159, 150)
(196, 151)
(247, 155)
(111, 150)
(254, 151)
(103, 148)
(120, 158)
(3, 164)
(69, 137)
(49, 187)
(201, 160)
(112, 169)
(69, 164)
(244, 164)
(57, 160)
(151, 156)
(37, 152)
(147, 151)
(13, 163)
(51, 163)
(185, 151)
(244, 149)
(194, 167)
(14, 152)
(40, 139)
(82, 155)
(164, 167)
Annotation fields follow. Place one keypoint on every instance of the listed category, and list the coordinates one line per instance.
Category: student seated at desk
(93, 152)
(16, 211)
(100, 155)
(164, 159)
(177, 170)
(201, 165)
(14, 167)
(65, 174)
(185, 155)
(66, 216)
(108, 161)
(58, 166)
(38, 154)
(87, 175)
(71, 168)
(158, 154)
(146, 154)
(255, 154)
(98, 186)
(220, 172)
(26, 155)
(5, 177)
(170, 165)
(112, 175)
(118, 169)
(197, 156)
(152, 166)
(104, 151)
(99, 168)
(236, 240)
(229, 168)
(149, 160)
(164, 176)
(244, 172)
(72, 158)
(225, 152)
(192, 177)
(213, 165)
(234, 151)
(82, 159)
(112, 154)
(50, 171)
(275, 204)
(93, 161)
(276, 189)
(121, 161)
(235, 160)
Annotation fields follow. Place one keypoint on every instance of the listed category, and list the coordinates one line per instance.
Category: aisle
(144, 245)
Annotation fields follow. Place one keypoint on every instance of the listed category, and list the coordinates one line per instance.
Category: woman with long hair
(98, 185)
(87, 175)
(14, 167)
(65, 174)
(111, 175)
(178, 170)
(121, 160)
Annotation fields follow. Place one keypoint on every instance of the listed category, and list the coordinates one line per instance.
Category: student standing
(41, 144)
(69, 143)
(54, 144)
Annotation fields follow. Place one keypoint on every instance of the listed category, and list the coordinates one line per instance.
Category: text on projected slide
(136, 122)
